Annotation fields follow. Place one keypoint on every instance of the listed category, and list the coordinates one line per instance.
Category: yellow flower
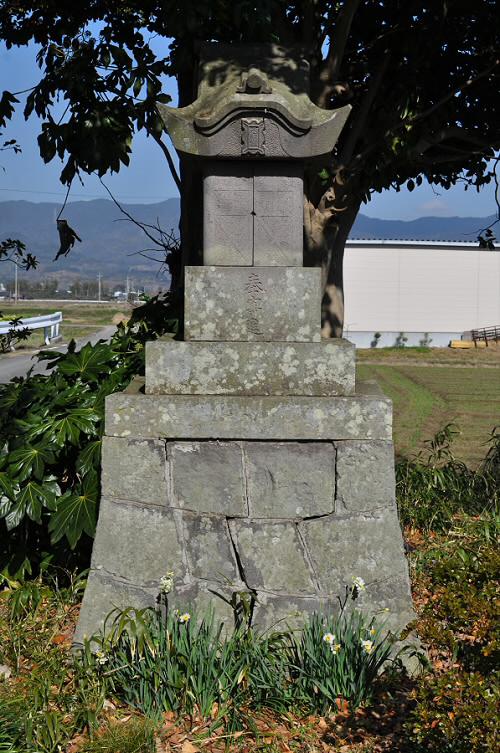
(335, 648)
(373, 631)
(329, 638)
(183, 618)
(367, 646)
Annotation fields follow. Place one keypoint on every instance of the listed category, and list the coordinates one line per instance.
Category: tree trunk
(327, 224)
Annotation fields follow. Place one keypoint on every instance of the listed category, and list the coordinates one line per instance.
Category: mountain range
(111, 242)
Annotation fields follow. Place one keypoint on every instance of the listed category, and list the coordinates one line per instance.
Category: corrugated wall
(420, 289)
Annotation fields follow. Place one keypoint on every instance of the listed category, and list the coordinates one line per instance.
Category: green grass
(427, 397)
(73, 313)
(79, 320)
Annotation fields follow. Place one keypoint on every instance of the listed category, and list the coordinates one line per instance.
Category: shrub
(462, 572)
(434, 486)
(50, 439)
(456, 713)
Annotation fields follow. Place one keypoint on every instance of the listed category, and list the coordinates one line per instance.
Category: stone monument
(248, 459)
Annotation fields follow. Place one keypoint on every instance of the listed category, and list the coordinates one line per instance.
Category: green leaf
(75, 514)
(30, 501)
(88, 363)
(70, 427)
(27, 461)
(89, 457)
(6, 485)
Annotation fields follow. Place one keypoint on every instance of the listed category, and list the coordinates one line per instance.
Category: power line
(84, 195)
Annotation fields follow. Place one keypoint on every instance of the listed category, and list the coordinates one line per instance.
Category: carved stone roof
(253, 102)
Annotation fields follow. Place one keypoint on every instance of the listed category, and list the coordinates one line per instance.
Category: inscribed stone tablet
(256, 303)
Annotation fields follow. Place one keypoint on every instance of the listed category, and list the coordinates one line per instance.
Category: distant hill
(422, 229)
(110, 242)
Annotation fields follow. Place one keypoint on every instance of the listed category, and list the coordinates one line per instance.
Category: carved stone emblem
(253, 134)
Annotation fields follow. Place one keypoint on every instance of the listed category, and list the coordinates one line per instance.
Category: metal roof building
(424, 289)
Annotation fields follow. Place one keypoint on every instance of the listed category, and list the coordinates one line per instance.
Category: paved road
(17, 365)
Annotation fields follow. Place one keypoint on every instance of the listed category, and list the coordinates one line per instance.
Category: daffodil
(335, 648)
(166, 583)
(329, 638)
(358, 583)
(183, 618)
(367, 646)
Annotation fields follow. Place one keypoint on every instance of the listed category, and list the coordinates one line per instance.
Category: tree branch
(141, 225)
(338, 43)
(453, 93)
(360, 121)
(166, 152)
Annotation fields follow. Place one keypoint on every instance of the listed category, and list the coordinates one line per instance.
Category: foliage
(460, 574)
(16, 334)
(325, 674)
(49, 698)
(457, 713)
(15, 251)
(50, 438)
(177, 663)
(401, 340)
(136, 735)
(457, 584)
(433, 486)
(419, 111)
(425, 109)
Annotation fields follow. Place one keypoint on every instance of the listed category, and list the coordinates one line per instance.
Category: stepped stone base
(242, 368)
(363, 416)
(287, 520)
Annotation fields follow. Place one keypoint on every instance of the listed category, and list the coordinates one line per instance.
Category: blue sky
(148, 179)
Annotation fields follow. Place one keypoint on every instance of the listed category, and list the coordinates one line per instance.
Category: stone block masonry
(284, 520)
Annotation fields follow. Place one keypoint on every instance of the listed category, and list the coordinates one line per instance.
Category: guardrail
(49, 323)
(486, 334)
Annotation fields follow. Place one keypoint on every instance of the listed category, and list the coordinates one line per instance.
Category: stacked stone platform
(247, 464)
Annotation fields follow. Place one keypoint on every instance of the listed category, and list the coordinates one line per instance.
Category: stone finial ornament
(254, 81)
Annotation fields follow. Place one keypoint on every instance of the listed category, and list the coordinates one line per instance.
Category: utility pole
(16, 289)
(99, 287)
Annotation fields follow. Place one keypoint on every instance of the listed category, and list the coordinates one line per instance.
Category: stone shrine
(248, 459)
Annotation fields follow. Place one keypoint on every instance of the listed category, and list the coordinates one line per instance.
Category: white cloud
(435, 206)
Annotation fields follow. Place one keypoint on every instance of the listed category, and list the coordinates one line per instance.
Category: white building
(436, 289)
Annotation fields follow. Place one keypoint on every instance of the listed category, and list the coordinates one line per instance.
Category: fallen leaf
(188, 747)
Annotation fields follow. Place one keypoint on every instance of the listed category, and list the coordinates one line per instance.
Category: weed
(433, 486)
(134, 735)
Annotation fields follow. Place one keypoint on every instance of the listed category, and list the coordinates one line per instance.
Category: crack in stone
(245, 478)
(308, 560)
(169, 477)
(239, 563)
(335, 476)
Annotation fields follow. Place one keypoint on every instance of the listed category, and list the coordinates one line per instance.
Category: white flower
(101, 657)
(166, 583)
(183, 618)
(367, 646)
(335, 648)
(358, 583)
(329, 638)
